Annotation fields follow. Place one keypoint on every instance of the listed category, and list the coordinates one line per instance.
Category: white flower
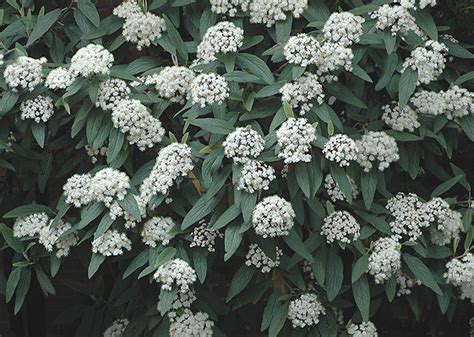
(340, 226)
(25, 73)
(191, 325)
(255, 176)
(301, 93)
(95, 153)
(127, 8)
(334, 191)
(301, 49)
(111, 243)
(117, 328)
(175, 272)
(228, 7)
(30, 225)
(333, 57)
(40, 108)
(1, 59)
(109, 185)
(77, 190)
(111, 93)
(343, 28)
(405, 284)
(385, 259)
(364, 329)
(270, 11)
(397, 18)
(91, 60)
(305, 311)
(411, 4)
(224, 37)
(340, 149)
(294, 138)
(209, 89)
(142, 28)
(59, 78)
(134, 119)
(180, 301)
(273, 216)
(400, 119)
(156, 230)
(243, 144)
(205, 237)
(460, 273)
(256, 257)
(54, 238)
(429, 61)
(174, 83)
(448, 222)
(116, 210)
(376, 146)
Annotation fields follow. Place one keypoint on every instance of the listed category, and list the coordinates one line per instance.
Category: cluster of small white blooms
(109, 185)
(429, 61)
(376, 146)
(305, 311)
(385, 259)
(405, 284)
(77, 190)
(111, 243)
(294, 138)
(59, 78)
(228, 7)
(91, 60)
(460, 273)
(117, 328)
(400, 119)
(340, 226)
(190, 324)
(301, 49)
(95, 153)
(208, 89)
(115, 211)
(343, 28)
(397, 18)
(270, 11)
(224, 37)
(449, 222)
(334, 191)
(53, 238)
(412, 3)
(134, 119)
(30, 225)
(175, 272)
(174, 83)
(256, 257)
(173, 161)
(157, 230)
(40, 108)
(243, 144)
(255, 176)
(111, 93)
(205, 237)
(127, 8)
(25, 72)
(143, 28)
(181, 300)
(301, 93)
(341, 149)
(364, 329)
(410, 215)
(273, 216)
(1, 59)
(332, 57)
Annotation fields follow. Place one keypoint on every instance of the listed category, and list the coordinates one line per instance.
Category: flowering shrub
(237, 167)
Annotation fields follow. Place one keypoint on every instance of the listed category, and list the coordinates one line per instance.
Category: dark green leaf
(421, 272)
(43, 25)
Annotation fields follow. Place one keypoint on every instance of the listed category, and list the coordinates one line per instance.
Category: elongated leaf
(446, 186)
(11, 241)
(360, 267)
(421, 271)
(96, 261)
(214, 125)
(139, 261)
(295, 243)
(12, 283)
(407, 86)
(241, 279)
(278, 321)
(88, 9)
(256, 66)
(43, 25)
(361, 292)
(334, 275)
(368, 185)
(27, 210)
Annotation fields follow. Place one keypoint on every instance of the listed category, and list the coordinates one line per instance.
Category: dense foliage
(236, 168)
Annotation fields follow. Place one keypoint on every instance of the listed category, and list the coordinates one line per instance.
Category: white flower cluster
(25, 72)
(228, 7)
(1, 59)
(139, 28)
(224, 37)
(405, 284)
(174, 83)
(294, 138)
(429, 60)
(208, 89)
(460, 273)
(273, 216)
(204, 237)
(364, 329)
(115, 211)
(111, 93)
(117, 328)
(109, 185)
(385, 259)
(173, 161)
(157, 230)
(400, 119)
(190, 324)
(175, 272)
(340, 149)
(376, 146)
(397, 18)
(40, 108)
(301, 49)
(111, 243)
(59, 78)
(448, 222)
(30, 225)
(343, 28)
(412, 4)
(95, 153)
(54, 238)
(270, 11)
(256, 257)
(255, 176)
(90, 60)
(243, 144)
(77, 190)
(305, 311)
(180, 301)
(454, 103)
(301, 93)
(133, 118)
(334, 191)
(340, 226)
(410, 215)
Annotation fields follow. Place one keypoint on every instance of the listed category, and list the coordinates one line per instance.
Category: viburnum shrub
(237, 167)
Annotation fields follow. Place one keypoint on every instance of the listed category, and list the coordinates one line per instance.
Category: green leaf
(11, 241)
(288, 110)
(130, 205)
(22, 289)
(361, 292)
(166, 300)
(256, 66)
(368, 185)
(241, 279)
(334, 275)
(457, 50)
(213, 125)
(389, 41)
(446, 186)
(295, 243)
(89, 214)
(43, 25)
(8, 101)
(96, 261)
(283, 29)
(247, 204)
(424, 19)
(390, 65)
(232, 240)
(391, 288)
(166, 255)
(465, 78)
(229, 215)
(360, 267)
(421, 272)
(89, 10)
(139, 261)
(200, 263)
(344, 94)
(12, 283)
(278, 321)
(27, 210)
(44, 281)
(341, 178)
(39, 132)
(407, 86)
